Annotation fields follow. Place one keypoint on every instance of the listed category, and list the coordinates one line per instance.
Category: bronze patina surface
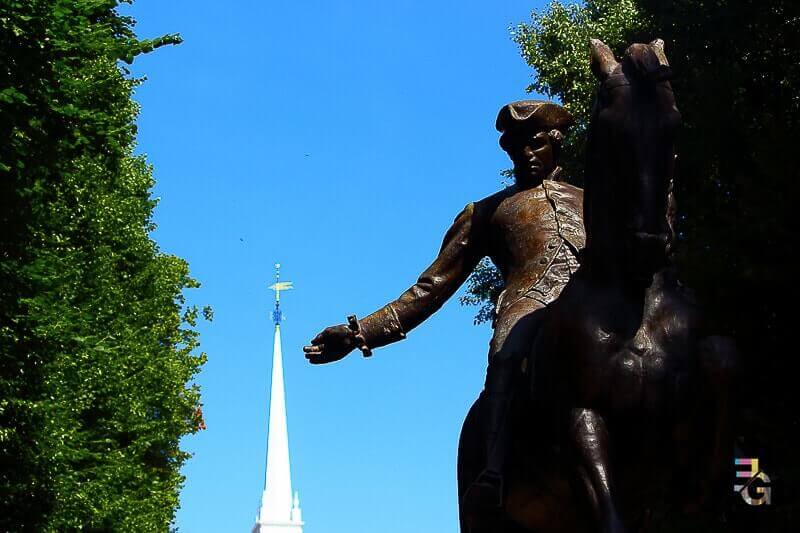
(618, 392)
(633, 390)
(533, 233)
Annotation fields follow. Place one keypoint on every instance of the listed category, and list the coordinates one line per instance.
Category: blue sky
(340, 138)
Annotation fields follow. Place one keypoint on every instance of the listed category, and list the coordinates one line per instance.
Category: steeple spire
(279, 511)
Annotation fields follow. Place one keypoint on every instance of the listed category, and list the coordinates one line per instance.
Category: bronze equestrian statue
(632, 391)
(618, 393)
(533, 232)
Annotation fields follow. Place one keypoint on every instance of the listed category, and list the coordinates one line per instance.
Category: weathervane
(278, 286)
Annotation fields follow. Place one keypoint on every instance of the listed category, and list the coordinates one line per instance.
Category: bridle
(621, 80)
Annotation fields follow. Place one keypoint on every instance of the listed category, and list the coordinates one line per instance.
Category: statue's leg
(684, 452)
(719, 361)
(514, 332)
(471, 460)
(588, 436)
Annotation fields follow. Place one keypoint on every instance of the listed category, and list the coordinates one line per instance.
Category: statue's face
(532, 155)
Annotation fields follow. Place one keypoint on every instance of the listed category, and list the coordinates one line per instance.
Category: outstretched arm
(460, 252)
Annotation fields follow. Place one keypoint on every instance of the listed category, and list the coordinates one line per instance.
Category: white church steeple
(279, 511)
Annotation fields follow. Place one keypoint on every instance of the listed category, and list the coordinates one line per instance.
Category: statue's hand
(330, 345)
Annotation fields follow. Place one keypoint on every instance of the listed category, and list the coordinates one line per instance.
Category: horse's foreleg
(719, 361)
(589, 439)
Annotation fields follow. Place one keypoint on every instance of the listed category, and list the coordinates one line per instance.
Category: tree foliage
(483, 289)
(555, 44)
(97, 345)
(736, 80)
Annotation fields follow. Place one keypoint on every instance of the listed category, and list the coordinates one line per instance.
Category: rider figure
(532, 231)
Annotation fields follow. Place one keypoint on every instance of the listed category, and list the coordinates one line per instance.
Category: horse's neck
(604, 263)
(607, 269)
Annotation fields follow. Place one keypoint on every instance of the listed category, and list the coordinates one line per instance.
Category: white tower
(279, 511)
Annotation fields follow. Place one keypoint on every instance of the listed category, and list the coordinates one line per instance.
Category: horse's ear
(658, 48)
(658, 43)
(603, 61)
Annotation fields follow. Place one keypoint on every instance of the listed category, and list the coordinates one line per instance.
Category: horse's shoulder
(679, 297)
(676, 311)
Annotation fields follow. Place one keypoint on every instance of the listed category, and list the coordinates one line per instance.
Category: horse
(629, 392)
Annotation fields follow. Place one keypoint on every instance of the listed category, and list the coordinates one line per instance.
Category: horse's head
(630, 159)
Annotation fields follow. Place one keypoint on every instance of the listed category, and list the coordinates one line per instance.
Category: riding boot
(487, 491)
(498, 435)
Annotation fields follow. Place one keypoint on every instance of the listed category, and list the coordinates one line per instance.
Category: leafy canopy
(97, 346)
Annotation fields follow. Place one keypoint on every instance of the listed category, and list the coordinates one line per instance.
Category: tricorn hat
(540, 115)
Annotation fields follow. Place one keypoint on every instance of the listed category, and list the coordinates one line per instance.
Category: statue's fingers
(314, 350)
(317, 359)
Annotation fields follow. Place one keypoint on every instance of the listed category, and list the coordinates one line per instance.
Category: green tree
(736, 79)
(97, 345)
